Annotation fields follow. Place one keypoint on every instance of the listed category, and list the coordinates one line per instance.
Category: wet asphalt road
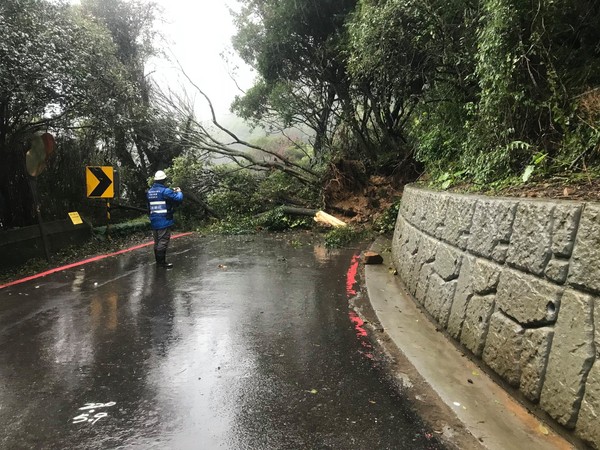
(246, 344)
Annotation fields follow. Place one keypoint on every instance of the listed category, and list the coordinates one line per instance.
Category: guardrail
(19, 245)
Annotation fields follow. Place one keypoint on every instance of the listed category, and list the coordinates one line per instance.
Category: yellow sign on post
(99, 181)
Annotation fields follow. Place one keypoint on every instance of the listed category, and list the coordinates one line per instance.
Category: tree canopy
(57, 67)
(79, 72)
(465, 90)
(295, 48)
(59, 71)
(476, 89)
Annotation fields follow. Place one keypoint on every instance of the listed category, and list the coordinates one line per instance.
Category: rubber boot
(161, 260)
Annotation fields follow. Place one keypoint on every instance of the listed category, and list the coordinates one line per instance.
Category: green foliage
(244, 200)
(78, 71)
(386, 223)
(402, 55)
(489, 92)
(55, 65)
(438, 132)
(393, 36)
(195, 181)
(142, 136)
(522, 85)
(58, 69)
(253, 105)
(281, 38)
(447, 179)
(290, 147)
(243, 225)
(139, 225)
(536, 162)
(295, 46)
(188, 173)
(235, 193)
(244, 192)
(492, 123)
(281, 188)
(277, 220)
(343, 236)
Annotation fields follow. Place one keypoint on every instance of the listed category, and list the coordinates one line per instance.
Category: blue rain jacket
(161, 200)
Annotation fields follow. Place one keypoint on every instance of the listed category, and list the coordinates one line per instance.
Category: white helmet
(160, 176)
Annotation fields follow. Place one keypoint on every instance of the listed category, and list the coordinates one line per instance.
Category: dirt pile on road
(356, 197)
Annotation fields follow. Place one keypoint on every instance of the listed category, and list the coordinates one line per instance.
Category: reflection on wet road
(245, 344)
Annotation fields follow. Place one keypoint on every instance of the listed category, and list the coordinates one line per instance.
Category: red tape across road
(85, 261)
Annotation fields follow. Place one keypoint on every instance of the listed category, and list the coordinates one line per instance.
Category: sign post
(107, 215)
(99, 182)
(36, 200)
(36, 158)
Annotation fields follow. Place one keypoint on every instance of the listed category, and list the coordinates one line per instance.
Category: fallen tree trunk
(294, 211)
(191, 197)
(318, 216)
(291, 210)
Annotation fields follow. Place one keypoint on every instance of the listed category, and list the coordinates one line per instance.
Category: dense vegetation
(477, 90)
(78, 72)
(480, 91)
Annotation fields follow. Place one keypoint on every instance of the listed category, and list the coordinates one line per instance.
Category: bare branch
(198, 137)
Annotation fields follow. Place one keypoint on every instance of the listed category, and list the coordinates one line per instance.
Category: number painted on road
(90, 409)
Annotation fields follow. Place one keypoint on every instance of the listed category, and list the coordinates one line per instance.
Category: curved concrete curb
(485, 409)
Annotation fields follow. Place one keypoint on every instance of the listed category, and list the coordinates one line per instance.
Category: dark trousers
(161, 239)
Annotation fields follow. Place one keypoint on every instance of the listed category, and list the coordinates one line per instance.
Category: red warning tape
(85, 261)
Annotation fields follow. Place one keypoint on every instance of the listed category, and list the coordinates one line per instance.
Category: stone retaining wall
(517, 282)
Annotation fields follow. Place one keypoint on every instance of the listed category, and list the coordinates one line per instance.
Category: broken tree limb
(188, 196)
(323, 217)
(129, 207)
(295, 211)
(203, 205)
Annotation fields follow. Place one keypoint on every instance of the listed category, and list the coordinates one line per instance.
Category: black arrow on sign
(104, 180)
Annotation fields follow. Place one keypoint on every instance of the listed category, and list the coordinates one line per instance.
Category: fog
(197, 34)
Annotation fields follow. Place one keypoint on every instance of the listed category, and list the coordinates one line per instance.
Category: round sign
(42, 147)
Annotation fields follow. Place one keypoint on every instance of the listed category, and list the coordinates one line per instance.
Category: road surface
(248, 343)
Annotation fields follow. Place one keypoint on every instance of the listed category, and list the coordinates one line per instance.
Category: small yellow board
(75, 218)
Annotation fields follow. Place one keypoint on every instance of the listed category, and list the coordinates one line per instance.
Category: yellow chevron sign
(99, 181)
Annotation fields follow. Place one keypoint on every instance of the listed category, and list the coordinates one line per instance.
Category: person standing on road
(161, 201)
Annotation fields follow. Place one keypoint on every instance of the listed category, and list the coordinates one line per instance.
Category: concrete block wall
(517, 282)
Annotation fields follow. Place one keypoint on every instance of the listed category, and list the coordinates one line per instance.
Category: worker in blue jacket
(161, 201)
